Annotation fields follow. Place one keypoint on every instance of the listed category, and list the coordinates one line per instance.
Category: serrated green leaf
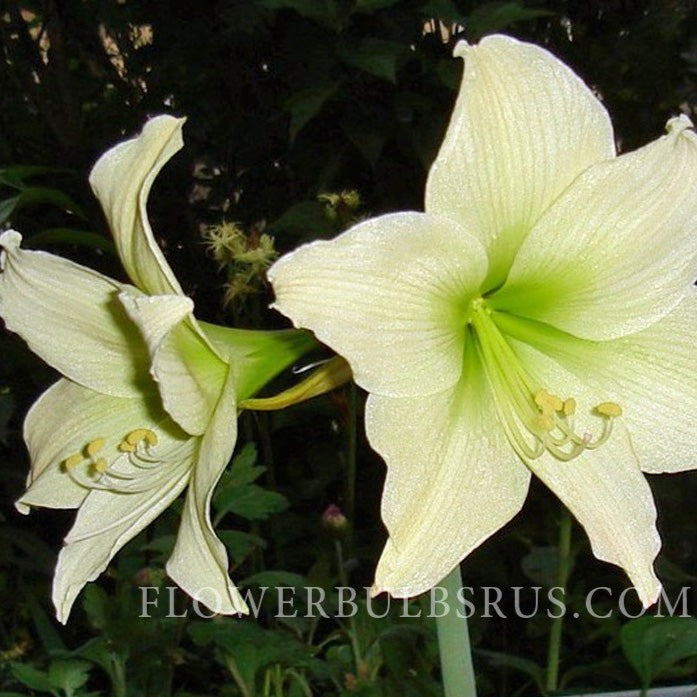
(240, 544)
(251, 502)
(653, 645)
(69, 674)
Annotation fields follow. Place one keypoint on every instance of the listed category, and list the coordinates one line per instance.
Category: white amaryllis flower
(539, 318)
(107, 438)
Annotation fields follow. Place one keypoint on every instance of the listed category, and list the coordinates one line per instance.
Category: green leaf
(14, 176)
(69, 674)
(82, 238)
(251, 502)
(524, 665)
(306, 219)
(243, 470)
(33, 678)
(375, 56)
(494, 16)
(39, 195)
(96, 604)
(240, 544)
(50, 638)
(274, 579)
(653, 645)
(368, 142)
(305, 105)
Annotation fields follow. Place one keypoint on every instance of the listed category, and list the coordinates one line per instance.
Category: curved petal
(64, 420)
(524, 126)
(121, 180)
(188, 371)
(453, 479)
(617, 250)
(105, 522)
(389, 295)
(70, 316)
(199, 562)
(603, 488)
(650, 374)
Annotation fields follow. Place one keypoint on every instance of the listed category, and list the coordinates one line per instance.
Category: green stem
(454, 642)
(351, 452)
(352, 629)
(563, 569)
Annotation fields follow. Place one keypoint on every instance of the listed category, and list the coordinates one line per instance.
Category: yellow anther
(569, 407)
(125, 447)
(545, 422)
(134, 437)
(101, 465)
(94, 446)
(548, 402)
(609, 409)
(73, 460)
(140, 435)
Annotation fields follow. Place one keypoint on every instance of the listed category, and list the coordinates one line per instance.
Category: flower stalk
(457, 670)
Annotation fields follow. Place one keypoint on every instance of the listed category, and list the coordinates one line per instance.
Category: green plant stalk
(555, 632)
(352, 629)
(454, 642)
(351, 454)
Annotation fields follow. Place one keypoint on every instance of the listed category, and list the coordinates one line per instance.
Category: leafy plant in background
(244, 72)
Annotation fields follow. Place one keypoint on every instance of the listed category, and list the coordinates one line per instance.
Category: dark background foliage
(287, 100)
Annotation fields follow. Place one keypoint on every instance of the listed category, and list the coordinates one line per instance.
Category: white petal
(603, 488)
(70, 316)
(453, 480)
(121, 180)
(607, 493)
(617, 250)
(105, 522)
(388, 295)
(187, 369)
(199, 563)
(524, 126)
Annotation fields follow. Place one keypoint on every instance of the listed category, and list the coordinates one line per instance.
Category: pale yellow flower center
(535, 419)
(126, 468)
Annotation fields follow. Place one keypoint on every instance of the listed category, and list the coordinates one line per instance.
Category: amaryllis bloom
(538, 318)
(148, 402)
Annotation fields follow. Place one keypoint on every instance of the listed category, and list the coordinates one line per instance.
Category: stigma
(536, 420)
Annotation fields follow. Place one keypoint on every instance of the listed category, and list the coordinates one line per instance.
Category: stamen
(609, 409)
(526, 410)
(94, 446)
(73, 461)
(102, 473)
